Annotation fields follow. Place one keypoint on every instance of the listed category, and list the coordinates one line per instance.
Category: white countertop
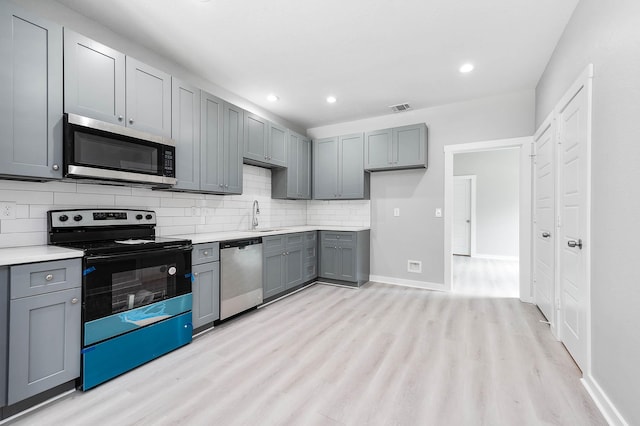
(30, 254)
(235, 235)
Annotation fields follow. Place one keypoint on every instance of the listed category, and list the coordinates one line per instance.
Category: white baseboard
(494, 257)
(604, 404)
(408, 283)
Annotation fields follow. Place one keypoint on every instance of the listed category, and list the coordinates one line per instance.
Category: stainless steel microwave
(97, 150)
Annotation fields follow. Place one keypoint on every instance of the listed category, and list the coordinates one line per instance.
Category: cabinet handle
(120, 118)
(195, 274)
(131, 121)
(55, 167)
(226, 186)
(48, 277)
(74, 300)
(206, 253)
(222, 185)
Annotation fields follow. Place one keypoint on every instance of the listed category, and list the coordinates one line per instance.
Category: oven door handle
(138, 253)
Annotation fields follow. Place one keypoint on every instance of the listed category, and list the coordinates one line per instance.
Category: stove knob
(63, 218)
(77, 218)
(139, 216)
(149, 217)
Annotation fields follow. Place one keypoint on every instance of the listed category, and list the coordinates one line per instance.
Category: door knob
(546, 235)
(573, 243)
(468, 221)
(131, 121)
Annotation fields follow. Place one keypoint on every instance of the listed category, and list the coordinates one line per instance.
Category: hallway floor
(485, 277)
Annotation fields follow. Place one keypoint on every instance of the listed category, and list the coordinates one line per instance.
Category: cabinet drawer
(310, 271)
(273, 243)
(45, 277)
(310, 253)
(203, 253)
(294, 239)
(344, 237)
(310, 237)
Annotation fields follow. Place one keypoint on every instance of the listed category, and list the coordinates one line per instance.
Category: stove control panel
(100, 217)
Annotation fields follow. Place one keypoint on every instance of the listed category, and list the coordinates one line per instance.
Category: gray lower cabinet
(283, 263)
(310, 256)
(185, 131)
(344, 256)
(101, 83)
(294, 181)
(206, 284)
(4, 332)
(338, 168)
(398, 148)
(31, 94)
(265, 143)
(44, 327)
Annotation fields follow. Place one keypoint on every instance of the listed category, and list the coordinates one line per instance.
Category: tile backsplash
(177, 212)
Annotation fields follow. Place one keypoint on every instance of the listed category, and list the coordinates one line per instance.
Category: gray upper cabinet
(185, 131)
(148, 98)
(294, 181)
(256, 137)
(398, 148)
(338, 168)
(265, 143)
(94, 79)
(233, 144)
(212, 167)
(31, 94)
(101, 83)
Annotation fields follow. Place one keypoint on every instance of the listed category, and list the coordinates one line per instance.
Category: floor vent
(400, 107)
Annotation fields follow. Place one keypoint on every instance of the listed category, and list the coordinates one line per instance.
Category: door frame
(524, 144)
(472, 231)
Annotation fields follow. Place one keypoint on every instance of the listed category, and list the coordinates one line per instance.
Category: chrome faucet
(254, 214)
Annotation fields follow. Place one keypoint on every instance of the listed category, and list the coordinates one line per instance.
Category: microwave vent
(400, 107)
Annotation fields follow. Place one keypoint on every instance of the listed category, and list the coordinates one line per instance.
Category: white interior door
(544, 219)
(573, 133)
(462, 192)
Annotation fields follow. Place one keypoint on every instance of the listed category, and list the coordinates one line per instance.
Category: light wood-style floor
(380, 355)
(485, 277)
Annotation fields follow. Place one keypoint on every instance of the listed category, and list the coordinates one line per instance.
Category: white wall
(417, 234)
(177, 212)
(608, 36)
(497, 199)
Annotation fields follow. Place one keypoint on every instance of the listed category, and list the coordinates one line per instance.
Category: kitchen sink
(266, 230)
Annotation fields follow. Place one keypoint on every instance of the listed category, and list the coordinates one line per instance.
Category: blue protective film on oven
(88, 270)
(190, 276)
(123, 322)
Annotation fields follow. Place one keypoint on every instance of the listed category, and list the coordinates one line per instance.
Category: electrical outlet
(438, 212)
(396, 212)
(7, 210)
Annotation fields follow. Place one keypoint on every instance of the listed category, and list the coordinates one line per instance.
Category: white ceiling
(368, 53)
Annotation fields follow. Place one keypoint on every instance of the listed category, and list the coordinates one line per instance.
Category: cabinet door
(255, 139)
(44, 342)
(325, 169)
(377, 149)
(233, 148)
(293, 168)
(4, 329)
(294, 266)
(93, 79)
(185, 131)
(304, 169)
(410, 146)
(148, 98)
(211, 143)
(206, 293)
(31, 95)
(277, 147)
(329, 261)
(351, 166)
(347, 263)
(273, 273)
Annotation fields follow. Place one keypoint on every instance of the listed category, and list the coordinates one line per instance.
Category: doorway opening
(488, 218)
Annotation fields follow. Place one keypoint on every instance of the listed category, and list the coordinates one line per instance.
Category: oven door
(123, 282)
(97, 150)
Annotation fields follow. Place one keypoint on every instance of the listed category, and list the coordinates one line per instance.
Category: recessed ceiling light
(466, 68)
(272, 98)
(331, 99)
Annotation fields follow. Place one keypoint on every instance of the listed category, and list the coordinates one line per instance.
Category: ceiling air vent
(400, 107)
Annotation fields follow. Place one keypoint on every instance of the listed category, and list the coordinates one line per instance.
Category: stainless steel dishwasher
(240, 276)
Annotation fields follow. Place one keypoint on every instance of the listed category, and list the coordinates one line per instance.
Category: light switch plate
(396, 212)
(438, 212)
